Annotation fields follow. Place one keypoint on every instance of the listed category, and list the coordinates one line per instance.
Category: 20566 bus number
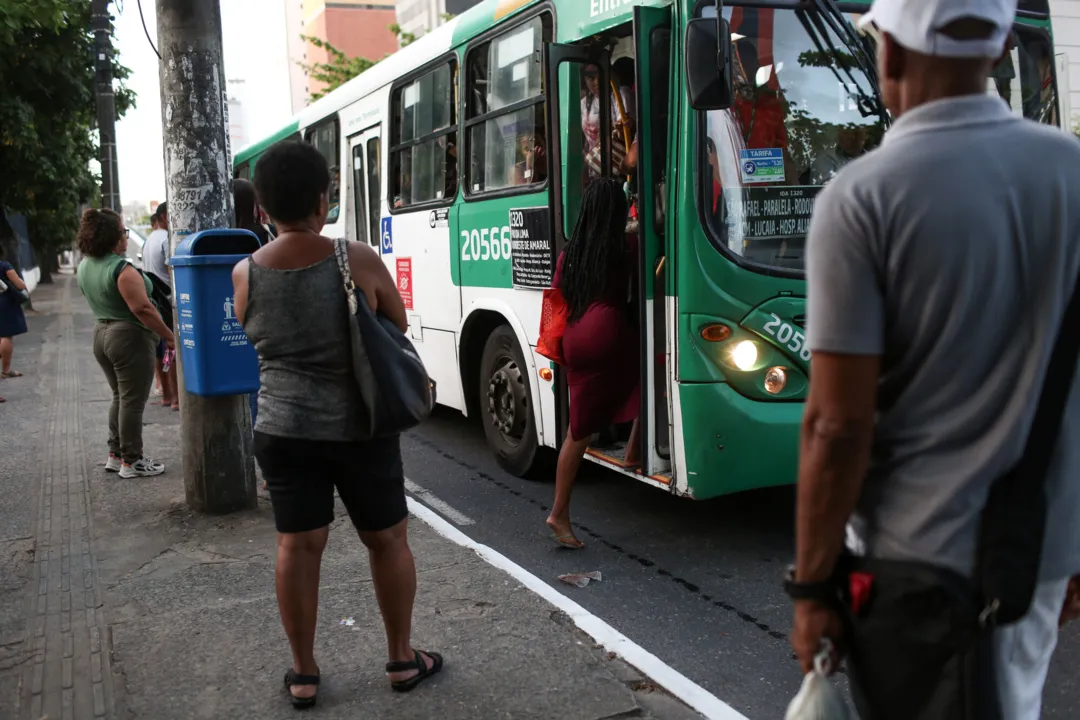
(486, 244)
(788, 336)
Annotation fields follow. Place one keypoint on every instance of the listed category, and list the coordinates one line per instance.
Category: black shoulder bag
(395, 389)
(919, 637)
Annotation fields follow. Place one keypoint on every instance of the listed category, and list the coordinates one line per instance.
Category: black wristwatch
(823, 591)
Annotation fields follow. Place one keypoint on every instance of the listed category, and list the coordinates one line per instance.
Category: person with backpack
(939, 471)
(156, 264)
(125, 335)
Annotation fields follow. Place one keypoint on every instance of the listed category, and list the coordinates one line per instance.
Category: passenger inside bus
(531, 166)
(850, 144)
(335, 194)
(760, 103)
(451, 158)
(591, 125)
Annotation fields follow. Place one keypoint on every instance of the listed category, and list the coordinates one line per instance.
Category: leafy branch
(339, 68)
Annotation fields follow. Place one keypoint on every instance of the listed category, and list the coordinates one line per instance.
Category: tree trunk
(48, 264)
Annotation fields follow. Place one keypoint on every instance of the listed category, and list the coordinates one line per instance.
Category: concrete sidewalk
(116, 601)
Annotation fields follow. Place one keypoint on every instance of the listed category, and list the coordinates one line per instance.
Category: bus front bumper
(733, 443)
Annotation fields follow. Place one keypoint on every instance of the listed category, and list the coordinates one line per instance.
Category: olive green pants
(125, 352)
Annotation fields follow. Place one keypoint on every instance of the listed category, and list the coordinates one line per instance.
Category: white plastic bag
(818, 699)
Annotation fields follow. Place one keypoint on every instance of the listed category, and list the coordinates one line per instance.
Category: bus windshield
(805, 105)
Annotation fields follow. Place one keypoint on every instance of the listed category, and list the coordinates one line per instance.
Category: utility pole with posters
(219, 471)
(101, 23)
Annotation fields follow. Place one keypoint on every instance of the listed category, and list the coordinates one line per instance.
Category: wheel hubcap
(507, 408)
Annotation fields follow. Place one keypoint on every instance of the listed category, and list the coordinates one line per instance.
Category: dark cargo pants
(125, 352)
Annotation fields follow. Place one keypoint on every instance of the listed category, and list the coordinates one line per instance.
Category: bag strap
(121, 266)
(1057, 386)
(341, 251)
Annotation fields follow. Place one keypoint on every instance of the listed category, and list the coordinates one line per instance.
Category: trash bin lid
(225, 246)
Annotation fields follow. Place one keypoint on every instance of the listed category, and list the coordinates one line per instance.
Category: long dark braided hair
(597, 253)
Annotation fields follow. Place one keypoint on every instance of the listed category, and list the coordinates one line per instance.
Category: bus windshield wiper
(828, 14)
(834, 60)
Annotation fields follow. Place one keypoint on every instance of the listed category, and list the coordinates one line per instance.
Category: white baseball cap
(917, 25)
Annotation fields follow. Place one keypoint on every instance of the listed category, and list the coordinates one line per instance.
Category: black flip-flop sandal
(292, 678)
(418, 664)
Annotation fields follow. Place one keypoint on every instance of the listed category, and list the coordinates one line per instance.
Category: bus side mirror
(708, 64)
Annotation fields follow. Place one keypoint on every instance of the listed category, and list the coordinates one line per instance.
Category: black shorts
(302, 475)
(160, 350)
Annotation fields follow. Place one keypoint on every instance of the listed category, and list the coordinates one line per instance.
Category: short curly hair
(290, 178)
(100, 232)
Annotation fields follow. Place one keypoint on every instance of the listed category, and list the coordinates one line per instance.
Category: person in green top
(125, 335)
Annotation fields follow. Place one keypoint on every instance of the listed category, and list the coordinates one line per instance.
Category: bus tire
(506, 407)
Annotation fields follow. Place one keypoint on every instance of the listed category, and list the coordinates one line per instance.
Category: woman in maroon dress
(600, 346)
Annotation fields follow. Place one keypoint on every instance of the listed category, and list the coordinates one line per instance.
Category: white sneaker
(141, 468)
(113, 464)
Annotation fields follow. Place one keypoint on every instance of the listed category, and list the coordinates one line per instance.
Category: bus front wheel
(506, 403)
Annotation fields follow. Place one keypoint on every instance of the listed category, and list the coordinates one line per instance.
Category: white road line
(457, 517)
(673, 681)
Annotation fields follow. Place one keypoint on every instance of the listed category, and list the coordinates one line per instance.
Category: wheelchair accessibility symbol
(387, 236)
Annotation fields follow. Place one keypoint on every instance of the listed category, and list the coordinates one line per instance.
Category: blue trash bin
(218, 359)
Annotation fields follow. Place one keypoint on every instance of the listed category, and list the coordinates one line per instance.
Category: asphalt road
(695, 583)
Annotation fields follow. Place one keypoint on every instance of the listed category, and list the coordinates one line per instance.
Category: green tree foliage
(339, 68)
(16, 15)
(48, 117)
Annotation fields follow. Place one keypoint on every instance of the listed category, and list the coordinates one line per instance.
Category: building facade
(420, 16)
(237, 122)
(358, 28)
(296, 49)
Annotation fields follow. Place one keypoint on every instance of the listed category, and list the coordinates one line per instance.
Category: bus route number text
(486, 244)
(788, 336)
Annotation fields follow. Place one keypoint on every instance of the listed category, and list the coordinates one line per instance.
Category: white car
(136, 240)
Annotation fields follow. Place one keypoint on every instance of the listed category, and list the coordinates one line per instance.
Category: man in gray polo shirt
(939, 269)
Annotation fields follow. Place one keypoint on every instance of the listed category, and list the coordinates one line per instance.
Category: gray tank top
(298, 322)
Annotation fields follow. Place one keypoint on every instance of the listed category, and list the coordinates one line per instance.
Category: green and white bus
(462, 159)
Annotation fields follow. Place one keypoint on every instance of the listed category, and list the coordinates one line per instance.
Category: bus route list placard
(772, 212)
(533, 250)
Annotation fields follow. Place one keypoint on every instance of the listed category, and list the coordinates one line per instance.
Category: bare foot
(564, 534)
(176, 406)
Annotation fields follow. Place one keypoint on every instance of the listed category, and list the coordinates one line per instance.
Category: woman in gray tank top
(291, 300)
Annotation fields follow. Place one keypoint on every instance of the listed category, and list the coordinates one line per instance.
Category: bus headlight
(775, 380)
(744, 355)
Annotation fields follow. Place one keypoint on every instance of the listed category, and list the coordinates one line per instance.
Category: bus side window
(324, 137)
(243, 172)
(374, 186)
(423, 139)
(505, 121)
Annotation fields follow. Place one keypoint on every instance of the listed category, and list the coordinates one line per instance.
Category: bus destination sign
(533, 252)
(771, 212)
